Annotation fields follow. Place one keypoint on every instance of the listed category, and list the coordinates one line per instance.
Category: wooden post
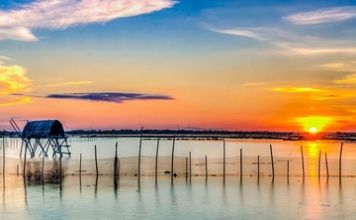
(319, 165)
(186, 168)
(96, 162)
(258, 168)
(241, 162)
(272, 161)
(156, 161)
(42, 169)
(206, 168)
(340, 158)
(17, 170)
(190, 166)
(224, 159)
(80, 169)
(115, 161)
(326, 165)
(24, 162)
(4, 158)
(60, 170)
(287, 171)
(302, 155)
(139, 156)
(172, 159)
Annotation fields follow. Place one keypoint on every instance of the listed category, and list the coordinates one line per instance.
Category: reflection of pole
(272, 162)
(326, 165)
(302, 154)
(340, 155)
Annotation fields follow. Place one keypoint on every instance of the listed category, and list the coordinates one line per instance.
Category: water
(101, 198)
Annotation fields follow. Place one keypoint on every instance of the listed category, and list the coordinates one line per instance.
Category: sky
(203, 64)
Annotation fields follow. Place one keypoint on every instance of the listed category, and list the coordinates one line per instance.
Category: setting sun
(314, 124)
(313, 130)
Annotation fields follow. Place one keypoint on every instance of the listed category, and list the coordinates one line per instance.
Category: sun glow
(314, 124)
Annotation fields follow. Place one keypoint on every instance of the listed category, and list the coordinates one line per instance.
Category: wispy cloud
(69, 83)
(324, 15)
(297, 89)
(18, 23)
(290, 43)
(340, 66)
(347, 80)
(116, 97)
(252, 84)
(13, 79)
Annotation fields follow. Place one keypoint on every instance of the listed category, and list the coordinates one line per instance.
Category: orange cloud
(296, 89)
(13, 79)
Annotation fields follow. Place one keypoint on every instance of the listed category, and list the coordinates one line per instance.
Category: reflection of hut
(44, 135)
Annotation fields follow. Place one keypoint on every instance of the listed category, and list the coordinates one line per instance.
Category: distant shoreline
(205, 134)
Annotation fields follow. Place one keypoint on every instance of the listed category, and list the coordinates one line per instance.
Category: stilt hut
(44, 137)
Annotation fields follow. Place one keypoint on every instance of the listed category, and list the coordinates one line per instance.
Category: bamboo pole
(42, 168)
(326, 165)
(156, 161)
(139, 157)
(80, 169)
(287, 171)
(96, 162)
(319, 165)
(206, 168)
(224, 159)
(115, 161)
(190, 166)
(186, 168)
(4, 158)
(302, 155)
(241, 162)
(172, 159)
(340, 161)
(272, 161)
(24, 163)
(258, 168)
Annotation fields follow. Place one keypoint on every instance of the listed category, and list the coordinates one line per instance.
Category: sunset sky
(198, 64)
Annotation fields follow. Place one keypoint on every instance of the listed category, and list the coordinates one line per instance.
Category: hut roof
(43, 129)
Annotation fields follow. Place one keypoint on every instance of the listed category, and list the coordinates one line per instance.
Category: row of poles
(188, 164)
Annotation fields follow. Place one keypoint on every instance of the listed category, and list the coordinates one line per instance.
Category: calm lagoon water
(198, 199)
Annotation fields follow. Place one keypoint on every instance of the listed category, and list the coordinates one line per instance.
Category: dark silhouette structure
(43, 136)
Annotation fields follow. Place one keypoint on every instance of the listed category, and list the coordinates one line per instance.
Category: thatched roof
(43, 129)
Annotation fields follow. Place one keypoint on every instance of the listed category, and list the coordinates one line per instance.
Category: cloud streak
(116, 97)
(290, 43)
(297, 90)
(17, 24)
(69, 83)
(324, 15)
